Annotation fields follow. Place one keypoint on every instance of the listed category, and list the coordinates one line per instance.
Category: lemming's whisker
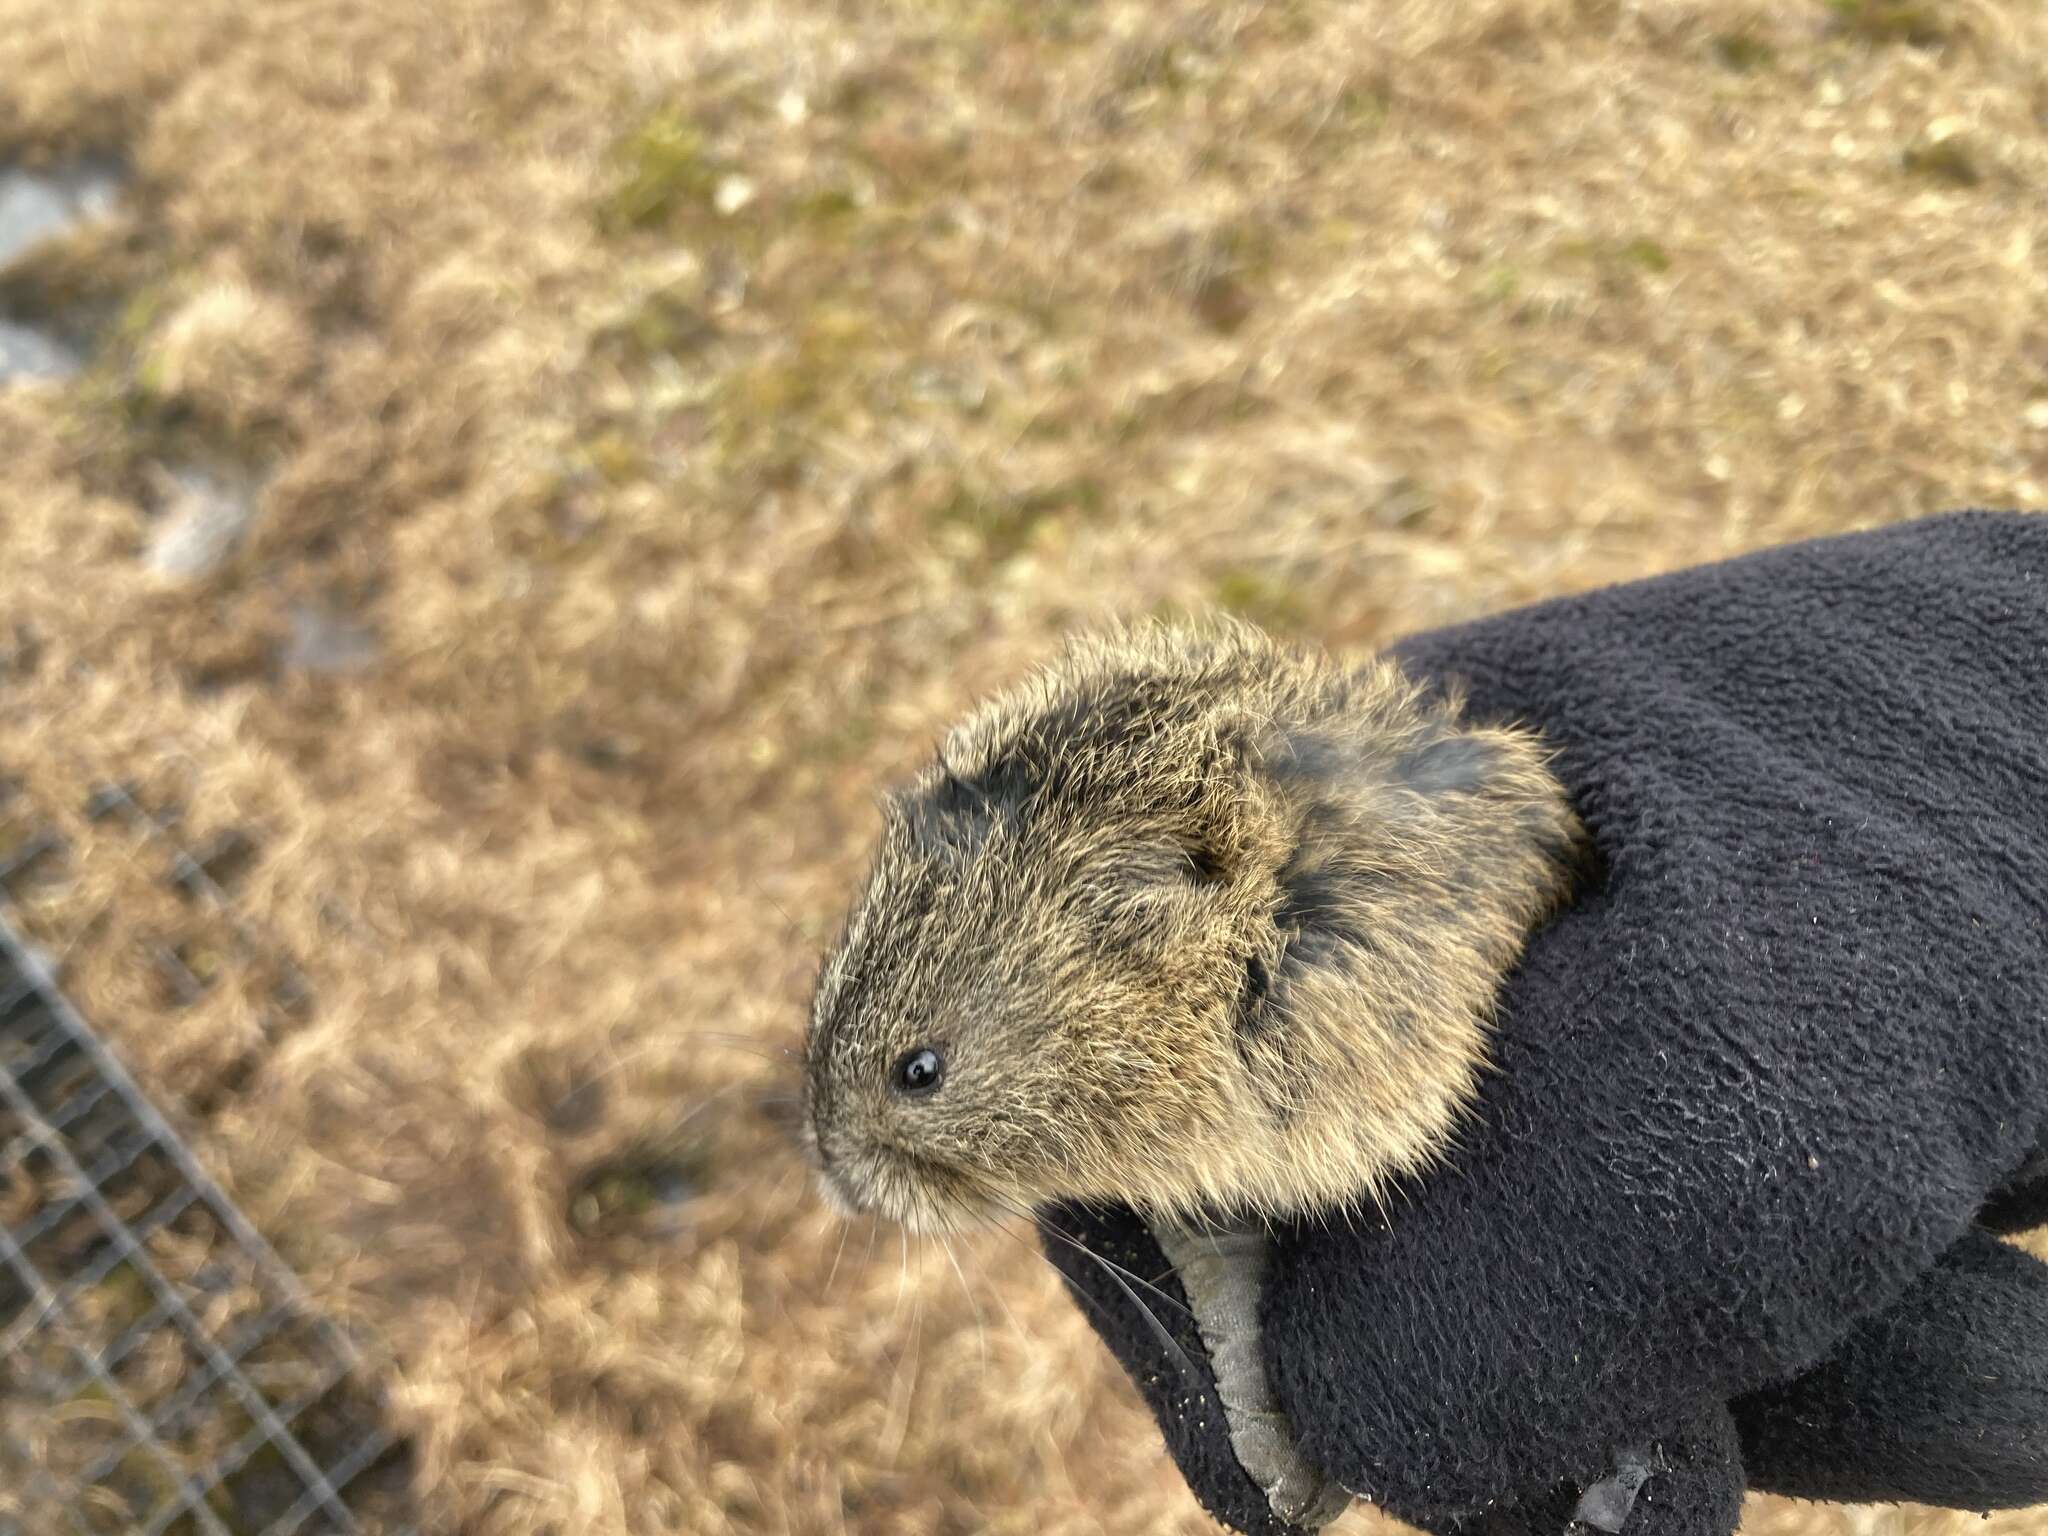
(761, 1048)
(703, 1107)
(895, 1434)
(845, 1229)
(1017, 1329)
(1040, 1221)
(1039, 1254)
(1159, 1330)
(980, 1323)
(764, 1048)
(1121, 1278)
(774, 1199)
(794, 929)
(902, 1274)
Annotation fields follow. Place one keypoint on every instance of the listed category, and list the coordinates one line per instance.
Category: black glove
(1940, 1399)
(1713, 1224)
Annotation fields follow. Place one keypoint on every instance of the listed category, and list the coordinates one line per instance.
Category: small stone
(27, 353)
(204, 518)
(36, 206)
(733, 193)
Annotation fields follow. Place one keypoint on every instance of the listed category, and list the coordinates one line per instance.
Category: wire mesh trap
(159, 1372)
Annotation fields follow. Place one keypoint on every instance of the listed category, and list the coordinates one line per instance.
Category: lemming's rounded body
(1190, 919)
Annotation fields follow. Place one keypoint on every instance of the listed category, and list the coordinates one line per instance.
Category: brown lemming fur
(682, 539)
(1195, 921)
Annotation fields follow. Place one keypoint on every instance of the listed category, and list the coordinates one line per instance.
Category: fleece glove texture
(1720, 1217)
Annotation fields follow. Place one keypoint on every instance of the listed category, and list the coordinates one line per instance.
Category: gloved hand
(1721, 1216)
(1941, 1398)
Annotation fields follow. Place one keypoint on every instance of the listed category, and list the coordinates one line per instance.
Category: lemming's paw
(1223, 1273)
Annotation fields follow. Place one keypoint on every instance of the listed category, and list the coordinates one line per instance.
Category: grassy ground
(698, 402)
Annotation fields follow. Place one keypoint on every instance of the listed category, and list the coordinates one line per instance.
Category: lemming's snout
(833, 1184)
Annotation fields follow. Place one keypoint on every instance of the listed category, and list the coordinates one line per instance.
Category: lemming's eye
(919, 1071)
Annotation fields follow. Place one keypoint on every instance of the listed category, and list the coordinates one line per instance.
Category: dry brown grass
(702, 401)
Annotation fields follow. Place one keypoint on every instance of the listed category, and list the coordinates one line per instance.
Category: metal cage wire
(160, 1371)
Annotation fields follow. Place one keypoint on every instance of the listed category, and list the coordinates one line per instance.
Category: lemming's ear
(1463, 762)
(1440, 763)
(1444, 799)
